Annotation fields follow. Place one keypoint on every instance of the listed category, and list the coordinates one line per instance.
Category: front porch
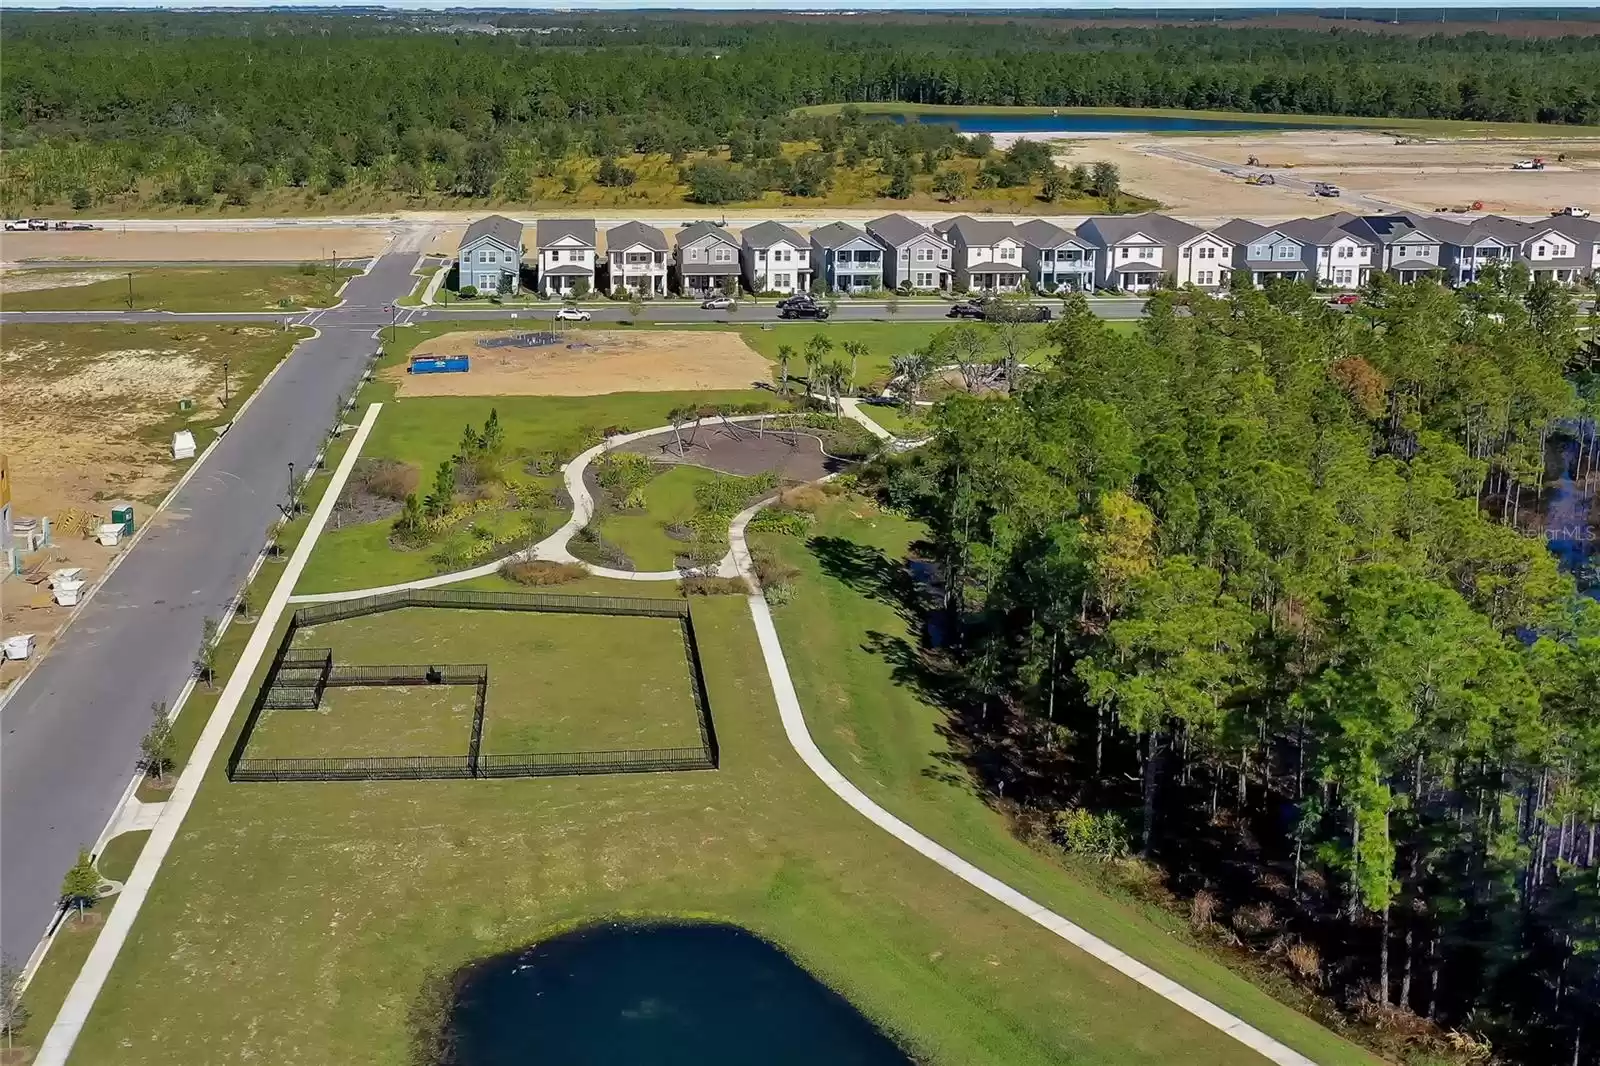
(1066, 280)
(555, 285)
(1263, 278)
(1559, 275)
(704, 285)
(998, 281)
(641, 284)
(857, 282)
(1138, 280)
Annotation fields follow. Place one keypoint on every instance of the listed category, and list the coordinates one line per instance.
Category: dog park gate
(297, 679)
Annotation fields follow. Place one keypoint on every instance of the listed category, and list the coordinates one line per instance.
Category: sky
(970, 6)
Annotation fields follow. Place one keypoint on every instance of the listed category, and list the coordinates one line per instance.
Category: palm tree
(911, 372)
(785, 353)
(857, 351)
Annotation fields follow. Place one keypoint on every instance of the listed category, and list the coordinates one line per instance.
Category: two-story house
(1468, 248)
(1135, 252)
(636, 257)
(988, 255)
(1267, 253)
(1056, 259)
(1335, 255)
(1561, 250)
(489, 257)
(1204, 261)
(915, 257)
(775, 258)
(847, 259)
(566, 255)
(1408, 246)
(706, 258)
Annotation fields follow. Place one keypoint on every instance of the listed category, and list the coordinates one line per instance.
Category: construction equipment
(1252, 162)
(1323, 188)
(1261, 179)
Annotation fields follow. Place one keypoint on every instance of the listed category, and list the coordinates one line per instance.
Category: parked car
(572, 314)
(1528, 164)
(718, 303)
(1572, 212)
(38, 223)
(969, 309)
(16, 223)
(799, 299)
(805, 310)
(82, 226)
(1324, 188)
(1345, 299)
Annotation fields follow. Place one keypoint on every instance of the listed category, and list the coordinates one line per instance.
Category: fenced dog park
(571, 685)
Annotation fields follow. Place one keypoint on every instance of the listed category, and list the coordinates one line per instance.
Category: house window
(1122, 253)
(924, 280)
(1008, 253)
(1539, 251)
(1345, 251)
(801, 255)
(924, 255)
(1204, 277)
(1288, 251)
(723, 255)
(483, 257)
(761, 255)
(944, 255)
(782, 281)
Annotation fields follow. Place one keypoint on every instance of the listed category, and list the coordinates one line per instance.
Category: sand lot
(1437, 173)
(289, 244)
(611, 361)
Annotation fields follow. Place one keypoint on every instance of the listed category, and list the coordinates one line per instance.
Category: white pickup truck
(1572, 212)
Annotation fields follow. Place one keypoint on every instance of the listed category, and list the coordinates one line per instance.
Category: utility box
(183, 444)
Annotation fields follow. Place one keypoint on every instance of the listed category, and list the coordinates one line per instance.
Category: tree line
(1261, 594)
(241, 102)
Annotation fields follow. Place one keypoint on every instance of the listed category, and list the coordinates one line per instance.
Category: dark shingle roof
(508, 231)
(549, 230)
(766, 234)
(1114, 229)
(898, 229)
(1037, 233)
(695, 230)
(628, 234)
(837, 234)
(979, 234)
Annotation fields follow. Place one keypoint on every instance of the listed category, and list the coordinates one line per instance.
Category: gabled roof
(766, 234)
(573, 269)
(1240, 231)
(838, 234)
(628, 234)
(898, 229)
(976, 234)
(549, 230)
(1319, 232)
(1037, 233)
(1582, 230)
(1386, 229)
(1115, 229)
(507, 231)
(696, 230)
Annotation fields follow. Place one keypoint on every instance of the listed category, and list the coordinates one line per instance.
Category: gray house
(916, 257)
(489, 257)
(1055, 258)
(1409, 246)
(566, 255)
(846, 258)
(775, 259)
(707, 260)
(637, 255)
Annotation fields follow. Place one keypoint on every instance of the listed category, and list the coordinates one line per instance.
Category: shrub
(776, 520)
(1304, 960)
(541, 572)
(388, 478)
(1258, 918)
(1102, 836)
(468, 292)
(701, 585)
(1202, 909)
(309, 269)
(808, 498)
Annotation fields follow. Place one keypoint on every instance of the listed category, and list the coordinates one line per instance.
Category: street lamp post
(225, 393)
(130, 290)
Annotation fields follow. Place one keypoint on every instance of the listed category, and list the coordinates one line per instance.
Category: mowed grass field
(234, 288)
(669, 499)
(297, 923)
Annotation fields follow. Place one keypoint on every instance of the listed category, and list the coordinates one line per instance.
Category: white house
(1559, 250)
(566, 255)
(1135, 252)
(489, 257)
(636, 258)
(707, 260)
(847, 259)
(775, 259)
(917, 258)
(1408, 246)
(1204, 261)
(1056, 259)
(1336, 255)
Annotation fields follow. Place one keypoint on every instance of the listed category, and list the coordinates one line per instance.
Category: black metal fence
(298, 677)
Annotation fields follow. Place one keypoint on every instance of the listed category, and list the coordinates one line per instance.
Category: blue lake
(999, 122)
(655, 994)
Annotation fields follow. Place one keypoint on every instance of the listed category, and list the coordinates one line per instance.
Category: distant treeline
(266, 91)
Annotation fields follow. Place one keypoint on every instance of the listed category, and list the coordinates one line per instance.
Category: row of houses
(1125, 253)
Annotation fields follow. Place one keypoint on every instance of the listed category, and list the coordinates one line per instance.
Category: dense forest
(96, 106)
(1261, 595)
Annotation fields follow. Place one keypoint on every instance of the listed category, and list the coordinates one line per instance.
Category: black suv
(799, 299)
(970, 309)
(803, 310)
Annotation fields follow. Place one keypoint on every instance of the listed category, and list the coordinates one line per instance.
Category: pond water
(656, 994)
(1070, 122)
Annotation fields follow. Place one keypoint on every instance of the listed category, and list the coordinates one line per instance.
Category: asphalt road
(375, 316)
(71, 730)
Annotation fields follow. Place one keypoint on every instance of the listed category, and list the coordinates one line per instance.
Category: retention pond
(655, 994)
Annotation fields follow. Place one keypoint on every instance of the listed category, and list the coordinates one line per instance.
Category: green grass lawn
(908, 425)
(399, 721)
(116, 859)
(669, 498)
(844, 647)
(249, 288)
(297, 922)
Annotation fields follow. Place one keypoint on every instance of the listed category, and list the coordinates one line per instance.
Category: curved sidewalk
(794, 726)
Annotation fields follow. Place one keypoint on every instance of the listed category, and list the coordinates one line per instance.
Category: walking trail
(738, 562)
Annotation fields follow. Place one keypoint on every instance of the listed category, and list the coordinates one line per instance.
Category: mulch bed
(795, 456)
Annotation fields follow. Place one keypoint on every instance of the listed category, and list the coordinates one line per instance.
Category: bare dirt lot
(289, 244)
(1422, 176)
(740, 448)
(608, 361)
